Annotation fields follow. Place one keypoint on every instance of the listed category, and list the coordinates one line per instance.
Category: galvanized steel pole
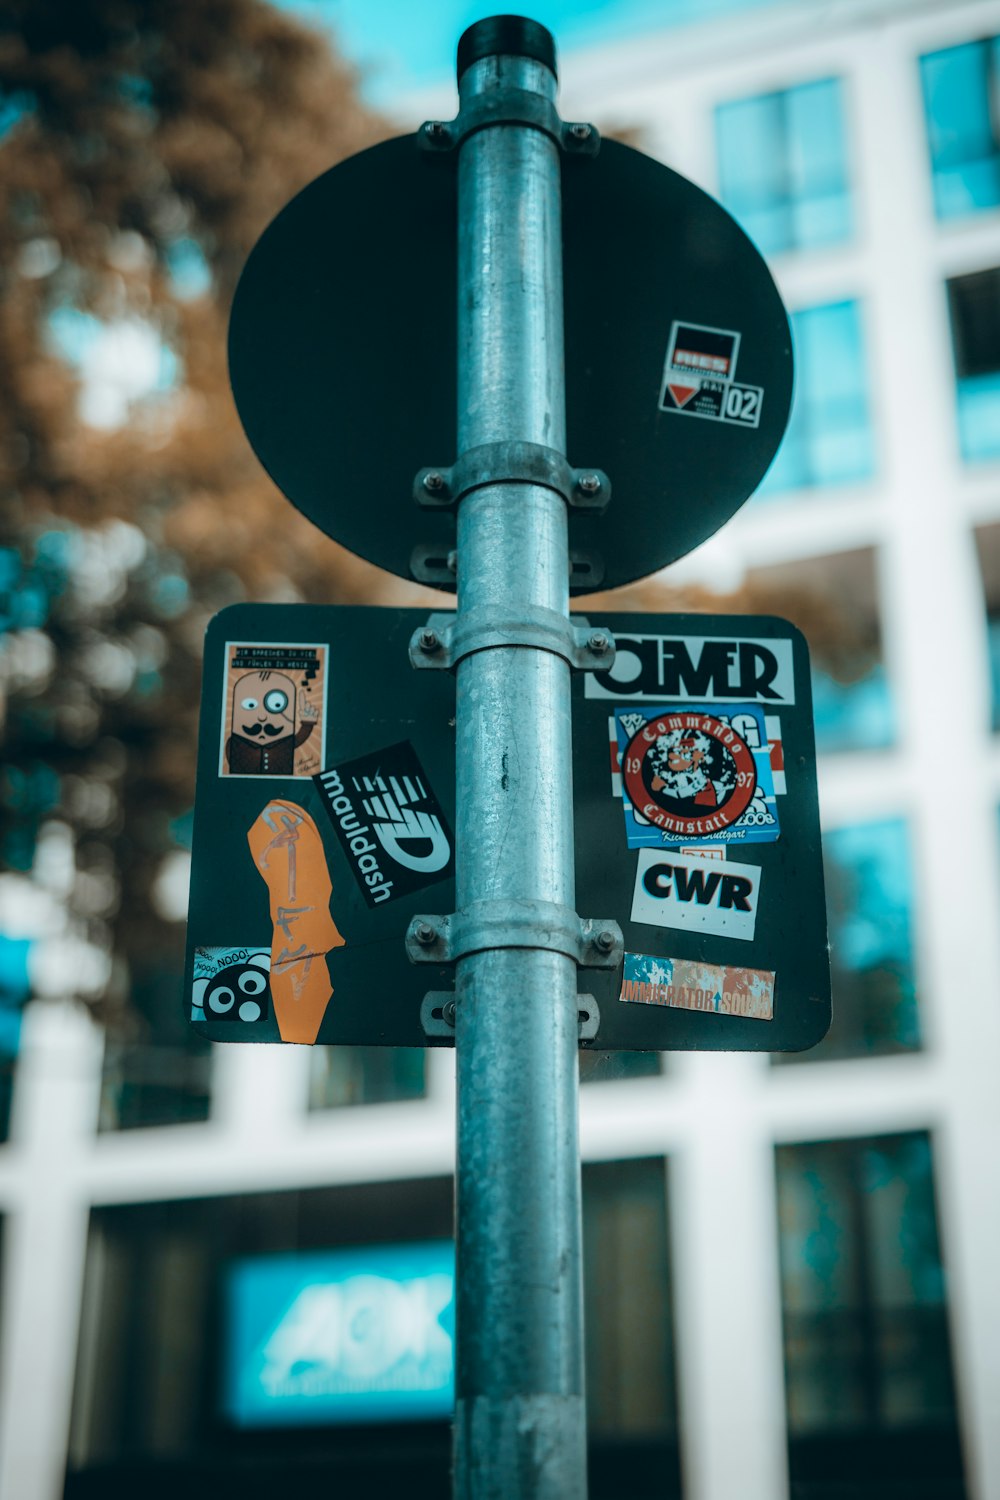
(520, 1424)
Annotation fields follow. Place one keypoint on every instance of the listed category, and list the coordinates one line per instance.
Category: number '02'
(742, 403)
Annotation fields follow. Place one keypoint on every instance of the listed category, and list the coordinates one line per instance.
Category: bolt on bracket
(508, 106)
(512, 463)
(448, 637)
(592, 943)
(438, 1013)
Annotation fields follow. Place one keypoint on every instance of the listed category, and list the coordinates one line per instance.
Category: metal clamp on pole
(509, 106)
(512, 463)
(438, 1015)
(438, 566)
(447, 638)
(592, 943)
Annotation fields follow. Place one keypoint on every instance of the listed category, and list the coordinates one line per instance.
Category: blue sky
(403, 45)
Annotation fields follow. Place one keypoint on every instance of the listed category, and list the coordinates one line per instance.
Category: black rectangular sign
(696, 817)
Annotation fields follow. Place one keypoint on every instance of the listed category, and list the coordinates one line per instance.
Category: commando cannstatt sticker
(273, 710)
(695, 774)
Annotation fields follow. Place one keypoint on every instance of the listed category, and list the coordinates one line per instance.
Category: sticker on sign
(699, 376)
(389, 823)
(681, 891)
(747, 670)
(683, 984)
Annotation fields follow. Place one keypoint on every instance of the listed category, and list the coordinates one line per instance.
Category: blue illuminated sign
(340, 1336)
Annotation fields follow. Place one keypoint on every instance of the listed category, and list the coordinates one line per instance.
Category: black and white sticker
(389, 823)
(699, 376)
(697, 668)
(697, 894)
(231, 984)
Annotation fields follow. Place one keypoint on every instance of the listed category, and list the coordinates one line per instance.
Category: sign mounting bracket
(508, 105)
(512, 463)
(592, 942)
(438, 1014)
(448, 637)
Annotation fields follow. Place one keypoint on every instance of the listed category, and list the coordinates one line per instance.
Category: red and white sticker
(689, 774)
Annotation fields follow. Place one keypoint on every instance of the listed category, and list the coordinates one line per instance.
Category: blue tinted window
(338, 1336)
(829, 437)
(160, 1073)
(366, 1075)
(960, 86)
(853, 715)
(611, 1067)
(864, 1310)
(974, 306)
(15, 987)
(869, 895)
(993, 644)
(782, 168)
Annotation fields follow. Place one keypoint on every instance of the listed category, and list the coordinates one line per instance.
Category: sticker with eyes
(239, 990)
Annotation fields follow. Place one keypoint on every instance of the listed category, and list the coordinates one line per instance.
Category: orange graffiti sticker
(273, 710)
(289, 855)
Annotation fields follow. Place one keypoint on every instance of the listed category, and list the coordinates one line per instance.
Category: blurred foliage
(144, 145)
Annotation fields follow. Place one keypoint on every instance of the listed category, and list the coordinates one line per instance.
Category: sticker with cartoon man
(274, 710)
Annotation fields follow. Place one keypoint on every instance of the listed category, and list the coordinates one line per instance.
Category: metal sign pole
(520, 1423)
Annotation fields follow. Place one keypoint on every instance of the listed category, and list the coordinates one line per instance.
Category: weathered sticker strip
(682, 984)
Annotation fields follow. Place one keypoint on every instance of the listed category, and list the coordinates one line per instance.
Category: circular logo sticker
(689, 774)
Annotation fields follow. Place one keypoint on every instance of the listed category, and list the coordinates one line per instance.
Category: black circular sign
(342, 350)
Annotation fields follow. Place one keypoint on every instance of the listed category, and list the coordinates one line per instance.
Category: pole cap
(514, 36)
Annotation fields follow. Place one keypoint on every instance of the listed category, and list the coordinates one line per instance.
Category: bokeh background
(790, 1278)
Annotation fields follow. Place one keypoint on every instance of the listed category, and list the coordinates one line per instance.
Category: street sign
(342, 352)
(326, 807)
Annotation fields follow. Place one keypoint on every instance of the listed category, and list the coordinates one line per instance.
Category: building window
(609, 1067)
(974, 305)
(829, 437)
(834, 602)
(366, 1075)
(869, 1387)
(960, 102)
(154, 1343)
(631, 1386)
(15, 988)
(783, 168)
(988, 548)
(869, 900)
(157, 1070)
(158, 1349)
